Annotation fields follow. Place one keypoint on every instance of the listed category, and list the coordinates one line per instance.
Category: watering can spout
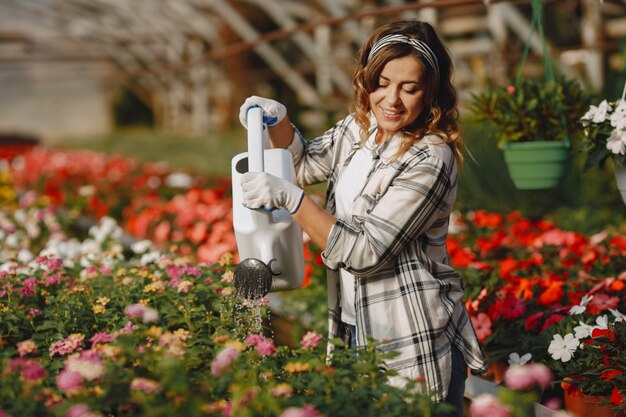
(253, 278)
(269, 243)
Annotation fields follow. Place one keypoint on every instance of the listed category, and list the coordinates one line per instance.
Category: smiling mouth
(390, 113)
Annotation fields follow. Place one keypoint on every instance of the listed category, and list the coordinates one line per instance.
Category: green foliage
(585, 201)
(533, 109)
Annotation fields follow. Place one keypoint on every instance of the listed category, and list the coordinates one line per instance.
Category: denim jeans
(456, 390)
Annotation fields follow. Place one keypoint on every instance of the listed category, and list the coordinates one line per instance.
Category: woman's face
(399, 98)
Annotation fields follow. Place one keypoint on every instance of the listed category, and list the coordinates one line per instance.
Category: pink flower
(486, 405)
(523, 377)
(146, 385)
(510, 89)
(69, 344)
(306, 411)
(29, 369)
(145, 313)
(102, 337)
(33, 312)
(253, 339)
(482, 325)
(4, 414)
(87, 364)
(263, 345)
(266, 347)
(310, 340)
(78, 410)
(223, 360)
(68, 381)
(26, 346)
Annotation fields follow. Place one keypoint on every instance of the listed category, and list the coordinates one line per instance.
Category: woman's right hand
(273, 111)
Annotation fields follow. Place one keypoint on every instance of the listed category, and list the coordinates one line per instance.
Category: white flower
(141, 246)
(563, 348)
(616, 143)
(24, 256)
(178, 180)
(597, 114)
(580, 308)
(618, 118)
(582, 331)
(516, 359)
(617, 314)
(602, 323)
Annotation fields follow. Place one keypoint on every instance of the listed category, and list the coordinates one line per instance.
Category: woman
(391, 168)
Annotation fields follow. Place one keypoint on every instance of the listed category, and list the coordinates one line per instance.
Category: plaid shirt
(407, 296)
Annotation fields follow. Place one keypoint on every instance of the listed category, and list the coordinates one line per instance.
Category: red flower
(510, 307)
(617, 397)
(462, 258)
(609, 374)
(553, 319)
(553, 293)
(601, 302)
(489, 220)
(532, 322)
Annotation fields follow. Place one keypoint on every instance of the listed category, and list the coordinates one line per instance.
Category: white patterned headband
(420, 46)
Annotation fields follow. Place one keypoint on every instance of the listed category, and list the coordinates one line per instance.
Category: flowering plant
(605, 133)
(87, 332)
(588, 352)
(522, 278)
(532, 110)
(522, 387)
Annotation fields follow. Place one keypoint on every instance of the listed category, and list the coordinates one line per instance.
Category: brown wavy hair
(440, 115)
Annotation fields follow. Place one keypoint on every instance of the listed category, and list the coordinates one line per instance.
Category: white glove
(263, 190)
(273, 111)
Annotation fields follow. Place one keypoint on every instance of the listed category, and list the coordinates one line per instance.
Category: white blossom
(563, 348)
(580, 308)
(616, 143)
(617, 314)
(516, 359)
(141, 246)
(602, 322)
(618, 117)
(178, 180)
(599, 113)
(582, 331)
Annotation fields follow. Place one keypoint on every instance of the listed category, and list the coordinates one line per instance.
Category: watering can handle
(255, 139)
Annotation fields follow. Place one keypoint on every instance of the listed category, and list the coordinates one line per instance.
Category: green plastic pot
(536, 165)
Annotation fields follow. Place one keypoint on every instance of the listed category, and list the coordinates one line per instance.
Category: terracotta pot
(594, 409)
(575, 405)
(589, 406)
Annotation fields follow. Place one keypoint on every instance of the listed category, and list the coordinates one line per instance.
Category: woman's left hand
(263, 190)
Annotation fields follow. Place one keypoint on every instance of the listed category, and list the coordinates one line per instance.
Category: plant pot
(589, 406)
(536, 165)
(620, 178)
(575, 405)
(594, 409)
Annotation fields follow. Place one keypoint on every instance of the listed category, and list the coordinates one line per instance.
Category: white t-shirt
(348, 186)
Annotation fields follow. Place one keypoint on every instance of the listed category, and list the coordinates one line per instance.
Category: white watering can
(269, 242)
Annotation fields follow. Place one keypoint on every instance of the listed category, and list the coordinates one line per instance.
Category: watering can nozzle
(253, 278)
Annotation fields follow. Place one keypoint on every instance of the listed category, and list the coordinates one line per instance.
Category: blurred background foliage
(587, 201)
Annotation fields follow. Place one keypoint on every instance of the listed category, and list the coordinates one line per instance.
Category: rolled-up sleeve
(415, 199)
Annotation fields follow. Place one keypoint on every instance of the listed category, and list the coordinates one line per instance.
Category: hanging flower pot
(536, 165)
(534, 120)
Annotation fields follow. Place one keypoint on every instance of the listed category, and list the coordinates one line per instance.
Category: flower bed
(535, 292)
(89, 333)
(538, 293)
